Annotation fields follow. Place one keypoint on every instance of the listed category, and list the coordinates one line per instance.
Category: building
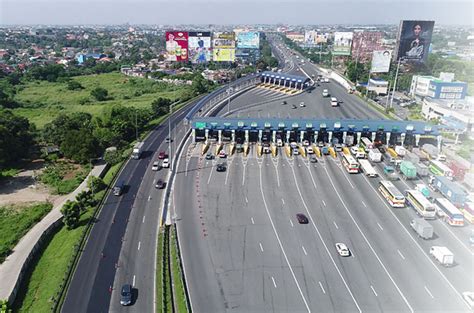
(364, 43)
(81, 58)
(378, 86)
(296, 37)
(437, 88)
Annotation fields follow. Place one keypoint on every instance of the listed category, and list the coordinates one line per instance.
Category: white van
(325, 93)
(334, 102)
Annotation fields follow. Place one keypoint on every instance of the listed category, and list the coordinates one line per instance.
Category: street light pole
(395, 83)
(169, 136)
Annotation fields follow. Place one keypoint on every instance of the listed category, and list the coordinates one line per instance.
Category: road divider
(317, 151)
(205, 147)
(302, 151)
(231, 149)
(218, 148)
(346, 151)
(332, 152)
(259, 149)
(246, 149)
(274, 150)
(288, 150)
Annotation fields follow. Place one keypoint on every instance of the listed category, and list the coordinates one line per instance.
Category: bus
(367, 168)
(423, 206)
(392, 194)
(351, 164)
(366, 143)
(452, 215)
(440, 169)
(468, 211)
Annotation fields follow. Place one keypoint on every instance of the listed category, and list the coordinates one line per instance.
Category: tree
(96, 184)
(74, 85)
(55, 131)
(100, 93)
(16, 137)
(80, 145)
(71, 211)
(85, 199)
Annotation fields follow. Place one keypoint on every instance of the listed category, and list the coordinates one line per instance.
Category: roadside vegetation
(179, 289)
(15, 221)
(64, 177)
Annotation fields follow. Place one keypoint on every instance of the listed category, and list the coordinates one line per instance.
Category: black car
(313, 159)
(160, 184)
(382, 150)
(302, 219)
(126, 295)
(168, 140)
(284, 102)
(221, 167)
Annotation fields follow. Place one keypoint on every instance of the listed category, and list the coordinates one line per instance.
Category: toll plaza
(328, 131)
(287, 83)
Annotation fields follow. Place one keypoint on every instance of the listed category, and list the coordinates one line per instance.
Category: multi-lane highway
(244, 250)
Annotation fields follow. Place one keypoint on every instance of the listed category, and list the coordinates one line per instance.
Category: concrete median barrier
(246, 149)
(346, 151)
(317, 151)
(274, 149)
(302, 151)
(218, 148)
(288, 150)
(259, 150)
(231, 149)
(204, 148)
(332, 152)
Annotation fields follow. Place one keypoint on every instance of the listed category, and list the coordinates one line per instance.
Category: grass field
(15, 221)
(45, 100)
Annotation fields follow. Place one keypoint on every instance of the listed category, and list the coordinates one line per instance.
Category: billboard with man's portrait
(414, 38)
(176, 46)
(342, 43)
(248, 40)
(381, 61)
(199, 46)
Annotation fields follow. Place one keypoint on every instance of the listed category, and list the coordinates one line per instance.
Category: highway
(244, 251)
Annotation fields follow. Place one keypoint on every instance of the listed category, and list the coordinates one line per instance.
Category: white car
(354, 149)
(469, 297)
(302, 104)
(166, 163)
(325, 93)
(279, 143)
(155, 166)
(305, 143)
(342, 249)
(326, 80)
(293, 145)
(309, 150)
(296, 151)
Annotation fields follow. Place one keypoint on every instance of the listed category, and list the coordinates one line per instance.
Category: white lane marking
(347, 178)
(291, 222)
(322, 288)
(252, 220)
(261, 247)
(304, 250)
(133, 283)
(283, 200)
(227, 174)
(154, 181)
(210, 175)
(324, 203)
(281, 245)
(324, 243)
(335, 225)
(246, 200)
(274, 284)
(149, 198)
(139, 244)
(416, 243)
(143, 219)
(373, 289)
(364, 204)
(278, 176)
(243, 174)
(380, 226)
(401, 255)
(367, 241)
(428, 291)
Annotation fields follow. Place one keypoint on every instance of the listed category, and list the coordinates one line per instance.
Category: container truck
(423, 189)
(451, 190)
(367, 168)
(458, 169)
(422, 228)
(421, 169)
(137, 150)
(408, 170)
(375, 155)
(413, 158)
(400, 150)
(442, 255)
(349, 140)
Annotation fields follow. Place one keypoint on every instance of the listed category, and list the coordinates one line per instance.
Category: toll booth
(366, 132)
(253, 133)
(213, 133)
(337, 133)
(226, 135)
(350, 136)
(293, 134)
(309, 133)
(395, 137)
(281, 133)
(323, 135)
(240, 133)
(267, 133)
(380, 136)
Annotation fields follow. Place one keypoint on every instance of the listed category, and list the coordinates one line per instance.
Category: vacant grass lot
(43, 101)
(15, 221)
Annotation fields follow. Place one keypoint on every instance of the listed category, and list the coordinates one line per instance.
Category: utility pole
(395, 82)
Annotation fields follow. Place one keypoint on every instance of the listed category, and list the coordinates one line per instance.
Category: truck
(392, 152)
(400, 150)
(137, 150)
(408, 170)
(442, 255)
(430, 150)
(367, 168)
(422, 228)
(422, 156)
(375, 155)
(412, 157)
(349, 140)
(421, 169)
(389, 172)
(459, 170)
(451, 190)
(424, 190)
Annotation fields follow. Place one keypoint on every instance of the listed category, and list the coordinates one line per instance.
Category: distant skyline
(86, 12)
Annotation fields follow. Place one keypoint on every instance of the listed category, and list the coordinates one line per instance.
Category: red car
(162, 155)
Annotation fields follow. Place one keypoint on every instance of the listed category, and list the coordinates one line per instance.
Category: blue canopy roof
(284, 76)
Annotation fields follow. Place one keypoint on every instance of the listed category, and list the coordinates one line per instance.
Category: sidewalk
(12, 270)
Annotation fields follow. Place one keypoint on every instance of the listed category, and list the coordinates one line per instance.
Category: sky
(313, 12)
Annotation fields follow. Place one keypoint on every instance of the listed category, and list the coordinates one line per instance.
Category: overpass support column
(388, 138)
(359, 134)
(246, 136)
(274, 135)
(302, 135)
(193, 134)
(233, 135)
(206, 134)
(329, 137)
(301, 86)
(219, 135)
(373, 136)
(440, 139)
(417, 140)
(287, 136)
(402, 138)
(260, 135)
(315, 139)
(344, 135)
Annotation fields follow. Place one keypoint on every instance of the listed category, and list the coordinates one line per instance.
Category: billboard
(310, 37)
(176, 46)
(414, 38)
(248, 40)
(199, 46)
(364, 43)
(342, 43)
(223, 47)
(381, 61)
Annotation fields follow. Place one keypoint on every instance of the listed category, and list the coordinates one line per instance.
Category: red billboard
(176, 46)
